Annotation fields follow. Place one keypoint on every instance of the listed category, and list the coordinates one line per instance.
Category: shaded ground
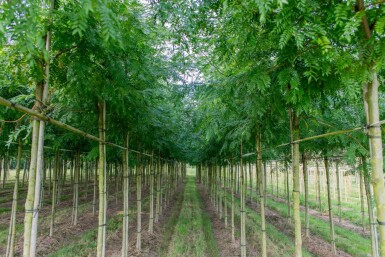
(151, 243)
(222, 234)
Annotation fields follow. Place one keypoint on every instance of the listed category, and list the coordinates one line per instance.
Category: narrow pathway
(193, 234)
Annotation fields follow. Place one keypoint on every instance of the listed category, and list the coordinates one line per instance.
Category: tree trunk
(76, 189)
(288, 193)
(306, 186)
(376, 160)
(126, 188)
(95, 191)
(277, 177)
(29, 203)
(224, 194)
(54, 193)
(331, 222)
(375, 137)
(261, 188)
(102, 218)
(12, 225)
(271, 179)
(338, 192)
(318, 186)
(232, 200)
(264, 183)
(373, 228)
(5, 170)
(220, 192)
(362, 199)
(243, 213)
(294, 128)
(139, 206)
(152, 174)
(250, 182)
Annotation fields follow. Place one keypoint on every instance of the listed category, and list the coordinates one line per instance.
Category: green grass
(193, 235)
(351, 210)
(346, 240)
(170, 225)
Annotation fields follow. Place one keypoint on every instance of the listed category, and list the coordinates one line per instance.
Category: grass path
(193, 234)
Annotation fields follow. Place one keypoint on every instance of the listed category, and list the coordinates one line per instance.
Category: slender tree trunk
(139, 206)
(159, 190)
(12, 225)
(54, 193)
(288, 203)
(362, 199)
(277, 177)
(338, 192)
(220, 191)
(76, 189)
(373, 228)
(224, 194)
(306, 186)
(29, 203)
(158, 194)
(271, 179)
(243, 213)
(126, 188)
(232, 200)
(24, 171)
(296, 183)
(102, 218)
(50, 176)
(2, 169)
(152, 174)
(372, 112)
(95, 190)
(261, 188)
(250, 182)
(331, 222)
(318, 186)
(376, 160)
(5, 170)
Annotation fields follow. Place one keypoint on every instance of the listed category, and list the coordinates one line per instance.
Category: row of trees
(278, 71)
(103, 68)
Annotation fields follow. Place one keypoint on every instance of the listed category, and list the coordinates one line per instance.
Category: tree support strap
(381, 223)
